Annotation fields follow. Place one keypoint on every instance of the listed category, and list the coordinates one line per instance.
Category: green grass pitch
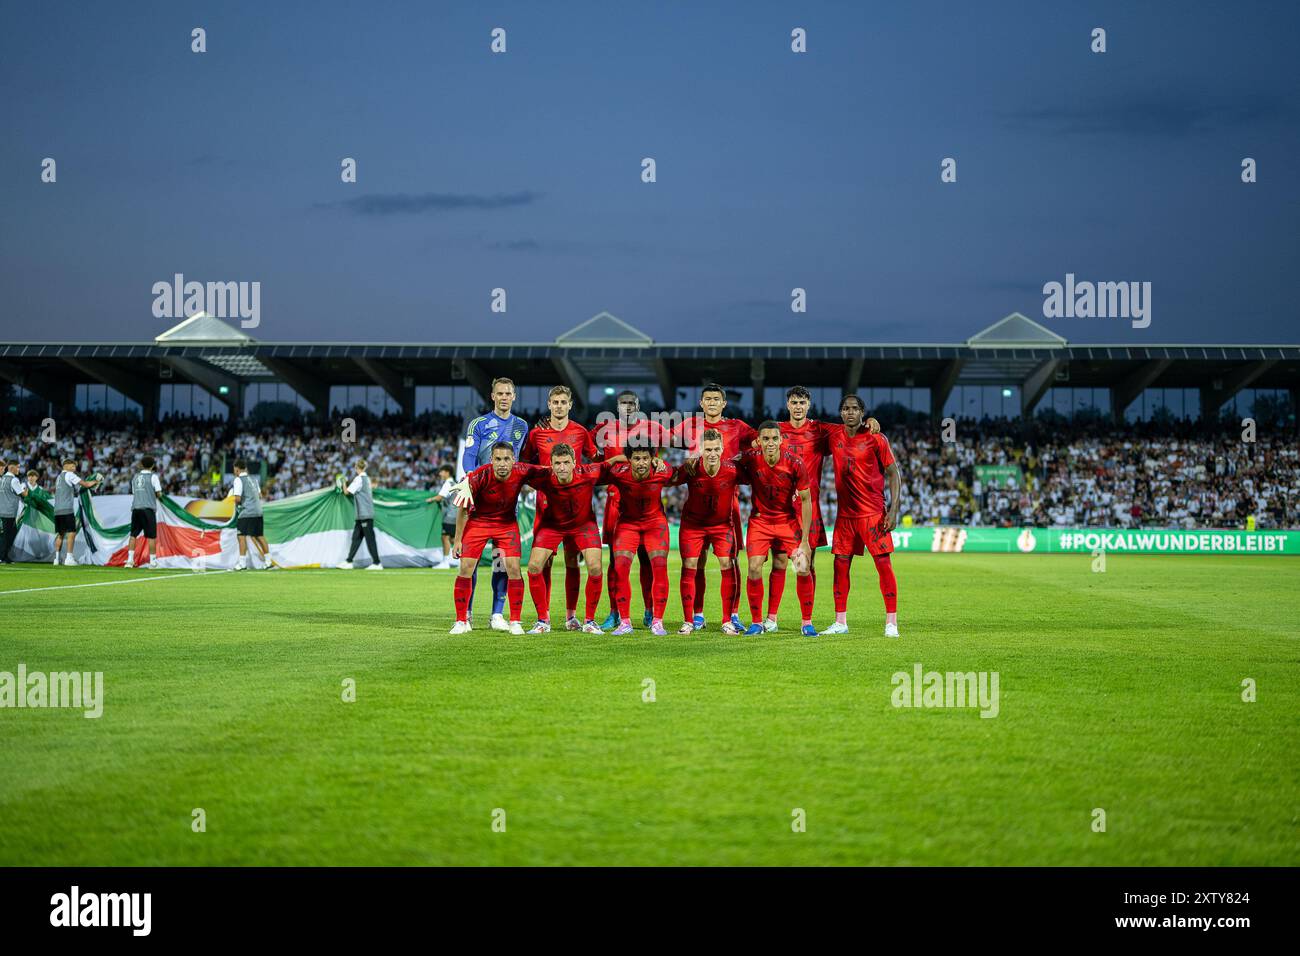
(223, 691)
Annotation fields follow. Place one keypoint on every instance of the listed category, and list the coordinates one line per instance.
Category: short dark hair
(497, 446)
(563, 450)
(769, 425)
(625, 393)
(146, 462)
(447, 468)
(710, 434)
(33, 471)
(713, 387)
(798, 391)
(239, 464)
(69, 461)
(639, 449)
(641, 442)
(854, 397)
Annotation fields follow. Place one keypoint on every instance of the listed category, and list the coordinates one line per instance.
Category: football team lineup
(781, 462)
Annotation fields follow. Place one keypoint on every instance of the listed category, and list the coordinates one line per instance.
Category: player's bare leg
(539, 567)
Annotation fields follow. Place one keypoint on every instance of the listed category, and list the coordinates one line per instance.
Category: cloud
(1168, 114)
(399, 204)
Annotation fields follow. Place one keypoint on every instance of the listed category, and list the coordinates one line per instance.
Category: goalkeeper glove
(461, 495)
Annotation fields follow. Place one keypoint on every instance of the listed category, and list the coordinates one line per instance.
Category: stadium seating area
(1143, 475)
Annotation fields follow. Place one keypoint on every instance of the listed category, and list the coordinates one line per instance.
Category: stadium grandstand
(1052, 434)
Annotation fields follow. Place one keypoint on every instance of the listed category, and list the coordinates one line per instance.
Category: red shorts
(578, 539)
(503, 535)
(765, 533)
(855, 535)
(693, 539)
(817, 532)
(631, 535)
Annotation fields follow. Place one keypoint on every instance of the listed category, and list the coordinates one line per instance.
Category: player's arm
(895, 488)
(805, 519)
(469, 457)
(235, 491)
(461, 517)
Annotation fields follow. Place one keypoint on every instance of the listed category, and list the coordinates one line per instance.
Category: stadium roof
(604, 349)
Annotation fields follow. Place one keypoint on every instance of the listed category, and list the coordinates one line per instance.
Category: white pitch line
(105, 584)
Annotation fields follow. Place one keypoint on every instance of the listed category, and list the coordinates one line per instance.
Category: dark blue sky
(775, 170)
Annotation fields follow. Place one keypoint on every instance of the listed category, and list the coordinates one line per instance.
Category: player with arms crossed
(737, 436)
(538, 447)
(487, 499)
(611, 439)
(641, 524)
(484, 432)
(569, 518)
(706, 522)
(806, 439)
(863, 461)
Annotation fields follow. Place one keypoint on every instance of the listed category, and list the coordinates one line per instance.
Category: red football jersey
(611, 437)
(773, 486)
(712, 497)
(639, 501)
(860, 464)
(495, 500)
(568, 506)
(540, 441)
(737, 436)
(809, 444)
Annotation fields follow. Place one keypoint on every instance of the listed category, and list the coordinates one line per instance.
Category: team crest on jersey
(518, 435)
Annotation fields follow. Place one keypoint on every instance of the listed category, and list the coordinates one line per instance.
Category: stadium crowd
(1142, 475)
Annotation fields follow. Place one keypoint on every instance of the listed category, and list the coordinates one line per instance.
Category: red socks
(623, 594)
(660, 568)
(686, 585)
(463, 588)
(754, 588)
(775, 588)
(593, 595)
(699, 583)
(729, 595)
(515, 595)
(842, 564)
(541, 598)
(806, 587)
(888, 585)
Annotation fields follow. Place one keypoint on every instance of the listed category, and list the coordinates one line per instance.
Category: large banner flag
(308, 530)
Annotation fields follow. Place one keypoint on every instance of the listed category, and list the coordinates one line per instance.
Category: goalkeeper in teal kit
(500, 424)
